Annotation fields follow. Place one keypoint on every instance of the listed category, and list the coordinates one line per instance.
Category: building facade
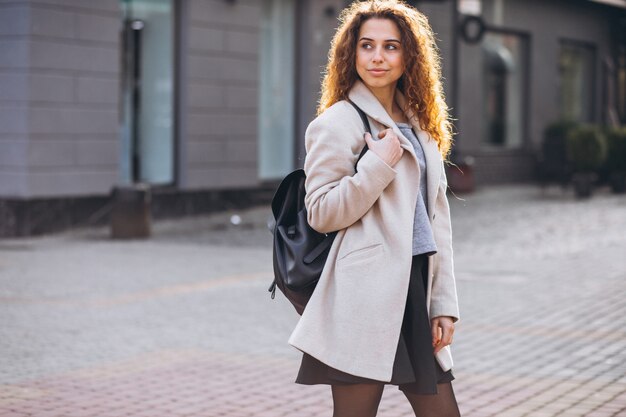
(208, 100)
(537, 63)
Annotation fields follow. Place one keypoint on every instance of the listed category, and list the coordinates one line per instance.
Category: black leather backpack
(299, 252)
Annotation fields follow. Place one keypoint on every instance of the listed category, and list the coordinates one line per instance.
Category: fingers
(443, 328)
(389, 150)
(436, 331)
(446, 338)
(388, 133)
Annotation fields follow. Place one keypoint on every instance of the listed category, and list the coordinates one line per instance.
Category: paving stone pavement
(182, 324)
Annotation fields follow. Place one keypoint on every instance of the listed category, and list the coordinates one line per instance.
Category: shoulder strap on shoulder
(366, 123)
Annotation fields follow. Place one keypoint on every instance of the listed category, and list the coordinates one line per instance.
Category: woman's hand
(387, 148)
(442, 328)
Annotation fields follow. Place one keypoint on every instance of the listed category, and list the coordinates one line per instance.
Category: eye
(392, 46)
(366, 45)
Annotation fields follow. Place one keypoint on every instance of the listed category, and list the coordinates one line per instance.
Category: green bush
(560, 128)
(554, 140)
(586, 148)
(616, 155)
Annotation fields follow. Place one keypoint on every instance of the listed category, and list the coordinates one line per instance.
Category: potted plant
(460, 174)
(586, 151)
(553, 165)
(616, 159)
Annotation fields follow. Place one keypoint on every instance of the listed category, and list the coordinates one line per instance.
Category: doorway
(277, 89)
(147, 128)
(505, 72)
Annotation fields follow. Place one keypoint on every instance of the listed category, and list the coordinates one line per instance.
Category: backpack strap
(366, 123)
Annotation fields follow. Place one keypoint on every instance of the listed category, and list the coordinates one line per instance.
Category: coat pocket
(360, 254)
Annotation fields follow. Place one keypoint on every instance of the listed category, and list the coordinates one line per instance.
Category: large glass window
(505, 66)
(620, 61)
(621, 82)
(148, 115)
(276, 98)
(576, 92)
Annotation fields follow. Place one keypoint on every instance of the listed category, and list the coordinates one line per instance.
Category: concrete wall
(59, 68)
(59, 84)
(222, 56)
(14, 49)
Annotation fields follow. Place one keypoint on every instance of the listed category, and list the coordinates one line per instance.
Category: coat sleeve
(336, 196)
(444, 300)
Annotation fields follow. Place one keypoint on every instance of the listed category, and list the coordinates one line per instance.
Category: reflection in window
(504, 63)
(576, 62)
(276, 95)
(147, 151)
(621, 72)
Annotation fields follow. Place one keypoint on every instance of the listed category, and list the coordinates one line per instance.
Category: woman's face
(379, 60)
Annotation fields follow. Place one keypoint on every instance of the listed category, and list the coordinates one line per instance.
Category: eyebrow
(386, 40)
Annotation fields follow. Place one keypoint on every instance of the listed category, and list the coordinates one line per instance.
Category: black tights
(361, 400)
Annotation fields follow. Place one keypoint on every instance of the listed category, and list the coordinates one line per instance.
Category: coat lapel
(367, 101)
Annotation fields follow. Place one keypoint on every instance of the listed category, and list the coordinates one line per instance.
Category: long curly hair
(421, 81)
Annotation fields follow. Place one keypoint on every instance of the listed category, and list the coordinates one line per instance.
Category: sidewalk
(182, 324)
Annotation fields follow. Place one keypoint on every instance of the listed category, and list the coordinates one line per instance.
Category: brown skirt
(415, 368)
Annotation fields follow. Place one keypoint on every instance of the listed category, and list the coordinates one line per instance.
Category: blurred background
(206, 102)
(141, 142)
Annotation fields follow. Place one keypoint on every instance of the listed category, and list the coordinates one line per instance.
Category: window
(576, 75)
(147, 132)
(276, 95)
(505, 90)
(620, 61)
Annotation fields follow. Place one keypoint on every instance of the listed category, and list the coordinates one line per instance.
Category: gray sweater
(423, 239)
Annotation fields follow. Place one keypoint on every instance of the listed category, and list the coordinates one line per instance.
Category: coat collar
(367, 101)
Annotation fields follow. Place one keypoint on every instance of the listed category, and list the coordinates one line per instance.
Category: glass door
(277, 93)
(148, 107)
(505, 90)
(576, 76)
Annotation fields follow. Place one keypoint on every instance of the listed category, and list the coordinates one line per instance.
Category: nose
(378, 56)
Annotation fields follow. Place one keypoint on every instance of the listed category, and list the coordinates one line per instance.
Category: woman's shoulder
(340, 114)
(339, 126)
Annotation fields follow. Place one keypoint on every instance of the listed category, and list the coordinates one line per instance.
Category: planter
(586, 151)
(616, 160)
(618, 182)
(553, 164)
(130, 215)
(583, 183)
(461, 176)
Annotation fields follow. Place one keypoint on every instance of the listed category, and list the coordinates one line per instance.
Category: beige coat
(353, 319)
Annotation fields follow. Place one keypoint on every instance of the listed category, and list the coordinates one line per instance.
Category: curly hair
(421, 80)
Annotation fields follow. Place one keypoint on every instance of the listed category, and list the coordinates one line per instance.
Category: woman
(384, 309)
